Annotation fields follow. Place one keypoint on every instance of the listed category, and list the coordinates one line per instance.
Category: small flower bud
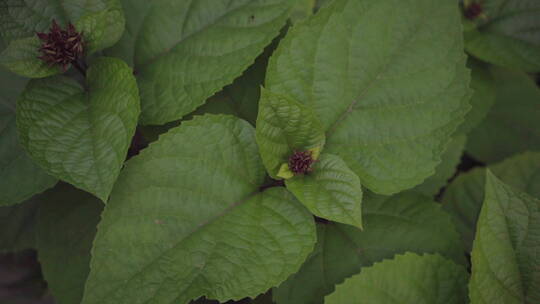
(300, 162)
(473, 11)
(59, 46)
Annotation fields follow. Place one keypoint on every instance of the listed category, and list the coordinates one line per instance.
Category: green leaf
(505, 256)
(332, 191)
(101, 22)
(21, 57)
(78, 133)
(509, 35)
(463, 198)
(102, 28)
(322, 3)
(20, 178)
(512, 124)
(11, 87)
(185, 51)
(283, 127)
(483, 84)
(18, 226)
(241, 98)
(302, 10)
(66, 227)
(197, 222)
(408, 278)
(387, 96)
(446, 169)
(392, 225)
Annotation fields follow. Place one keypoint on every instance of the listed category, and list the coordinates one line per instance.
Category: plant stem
(272, 183)
(80, 68)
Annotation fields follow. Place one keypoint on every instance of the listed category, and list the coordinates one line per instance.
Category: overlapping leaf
(512, 123)
(241, 98)
(408, 278)
(187, 220)
(185, 51)
(331, 191)
(66, 227)
(463, 198)
(20, 177)
(507, 34)
(483, 84)
(302, 10)
(387, 96)
(506, 252)
(393, 225)
(81, 134)
(21, 57)
(285, 126)
(446, 169)
(101, 22)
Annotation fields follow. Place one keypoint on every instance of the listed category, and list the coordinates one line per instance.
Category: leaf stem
(272, 183)
(80, 68)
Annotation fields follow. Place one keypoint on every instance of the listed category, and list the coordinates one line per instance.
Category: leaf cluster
(271, 151)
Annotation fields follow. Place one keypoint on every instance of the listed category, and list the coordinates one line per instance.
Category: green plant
(273, 151)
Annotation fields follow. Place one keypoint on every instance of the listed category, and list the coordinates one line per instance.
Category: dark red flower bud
(300, 162)
(473, 11)
(61, 47)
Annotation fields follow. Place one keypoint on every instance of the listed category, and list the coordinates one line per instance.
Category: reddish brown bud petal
(61, 46)
(300, 162)
(473, 11)
(42, 36)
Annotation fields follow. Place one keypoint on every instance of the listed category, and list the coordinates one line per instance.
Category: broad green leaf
(302, 10)
(186, 221)
(482, 100)
(392, 225)
(521, 171)
(18, 226)
(446, 169)
(508, 35)
(185, 51)
(20, 178)
(66, 227)
(101, 22)
(512, 125)
(463, 198)
(11, 87)
(506, 251)
(23, 18)
(21, 57)
(78, 133)
(387, 96)
(283, 127)
(102, 28)
(321, 3)
(331, 191)
(241, 98)
(408, 278)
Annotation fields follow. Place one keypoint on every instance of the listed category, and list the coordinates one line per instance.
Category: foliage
(272, 151)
